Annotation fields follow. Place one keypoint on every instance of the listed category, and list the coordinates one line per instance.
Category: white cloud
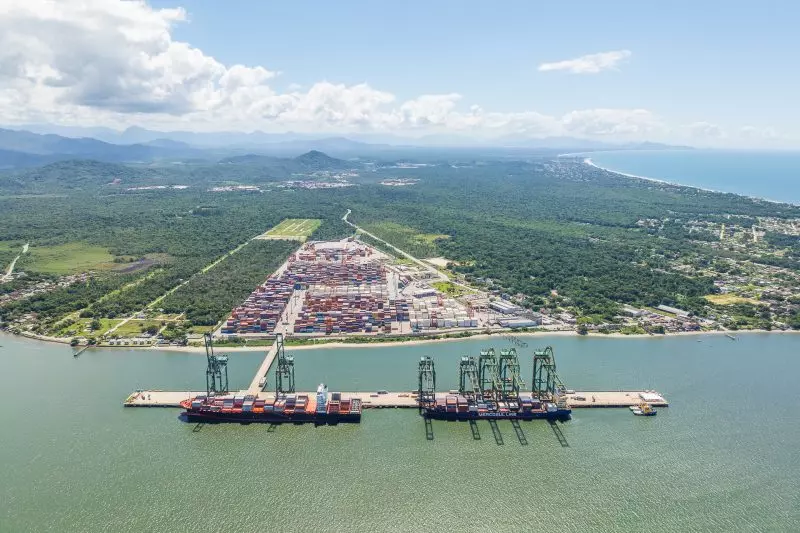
(705, 131)
(612, 122)
(105, 62)
(116, 63)
(754, 133)
(589, 64)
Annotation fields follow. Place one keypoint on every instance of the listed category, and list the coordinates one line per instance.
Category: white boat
(643, 409)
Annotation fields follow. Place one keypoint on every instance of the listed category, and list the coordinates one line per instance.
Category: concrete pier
(592, 399)
(263, 369)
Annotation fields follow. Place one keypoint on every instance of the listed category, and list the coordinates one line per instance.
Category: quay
(592, 399)
(544, 370)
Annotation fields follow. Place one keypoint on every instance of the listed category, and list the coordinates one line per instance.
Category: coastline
(389, 344)
(588, 161)
(591, 163)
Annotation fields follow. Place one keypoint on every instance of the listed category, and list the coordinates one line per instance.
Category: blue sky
(701, 71)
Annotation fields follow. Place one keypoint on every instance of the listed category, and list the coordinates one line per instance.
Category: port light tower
(284, 372)
(217, 369)
(426, 393)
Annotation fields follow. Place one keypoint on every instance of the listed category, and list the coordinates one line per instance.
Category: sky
(710, 73)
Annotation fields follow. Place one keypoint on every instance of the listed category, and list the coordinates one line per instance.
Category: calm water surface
(760, 174)
(724, 457)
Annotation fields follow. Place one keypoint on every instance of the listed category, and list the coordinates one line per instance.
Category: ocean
(723, 457)
(771, 175)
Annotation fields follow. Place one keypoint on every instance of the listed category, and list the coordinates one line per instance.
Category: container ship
(287, 408)
(460, 407)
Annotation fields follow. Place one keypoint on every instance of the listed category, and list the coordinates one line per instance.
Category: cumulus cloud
(589, 64)
(754, 133)
(608, 122)
(116, 63)
(705, 130)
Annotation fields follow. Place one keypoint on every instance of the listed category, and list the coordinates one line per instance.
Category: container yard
(346, 287)
(431, 311)
(326, 288)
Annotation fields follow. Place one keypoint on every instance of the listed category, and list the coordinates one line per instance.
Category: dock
(263, 369)
(543, 362)
(405, 400)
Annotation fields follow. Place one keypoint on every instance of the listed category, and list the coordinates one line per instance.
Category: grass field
(729, 299)
(80, 328)
(406, 238)
(132, 328)
(445, 287)
(297, 229)
(65, 259)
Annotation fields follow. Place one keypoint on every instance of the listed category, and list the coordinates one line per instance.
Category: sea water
(770, 175)
(723, 457)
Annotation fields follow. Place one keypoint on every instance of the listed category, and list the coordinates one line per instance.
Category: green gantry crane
(487, 375)
(510, 378)
(217, 369)
(469, 383)
(426, 393)
(284, 371)
(546, 383)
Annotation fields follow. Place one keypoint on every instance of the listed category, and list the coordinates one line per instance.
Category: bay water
(770, 175)
(725, 456)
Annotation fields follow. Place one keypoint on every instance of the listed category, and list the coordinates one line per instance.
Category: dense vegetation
(208, 297)
(529, 227)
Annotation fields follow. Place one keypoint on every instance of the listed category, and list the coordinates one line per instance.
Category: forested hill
(97, 176)
(308, 162)
(315, 160)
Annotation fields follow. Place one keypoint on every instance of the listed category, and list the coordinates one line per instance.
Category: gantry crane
(426, 393)
(487, 375)
(284, 371)
(217, 369)
(469, 384)
(510, 379)
(546, 383)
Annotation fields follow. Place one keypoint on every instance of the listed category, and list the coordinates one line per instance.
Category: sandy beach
(501, 336)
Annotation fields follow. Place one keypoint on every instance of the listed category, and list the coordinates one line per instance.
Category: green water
(724, 457)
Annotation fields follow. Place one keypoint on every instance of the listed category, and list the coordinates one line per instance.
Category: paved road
(430, 268)
(10, 270)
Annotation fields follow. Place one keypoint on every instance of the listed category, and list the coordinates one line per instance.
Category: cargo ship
(460, 407)
(286, 408)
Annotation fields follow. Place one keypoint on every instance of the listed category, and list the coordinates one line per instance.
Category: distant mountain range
(20, 148)
(87, 174)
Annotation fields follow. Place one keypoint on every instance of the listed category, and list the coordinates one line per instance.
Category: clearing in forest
(407, 238)
(67, 258)
(296, 229)
(729, 299)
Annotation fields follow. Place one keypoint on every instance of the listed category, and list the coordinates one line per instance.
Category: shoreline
(503, 335)
(588, 161)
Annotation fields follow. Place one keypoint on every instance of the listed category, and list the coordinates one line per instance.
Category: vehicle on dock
(643, 409)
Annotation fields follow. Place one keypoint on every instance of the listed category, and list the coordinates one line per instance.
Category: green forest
(528, 227)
